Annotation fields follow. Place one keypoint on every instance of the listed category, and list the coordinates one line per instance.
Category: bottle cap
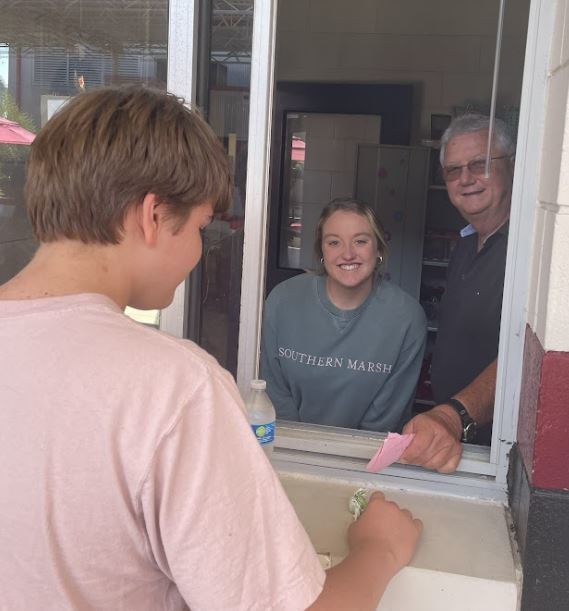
(258, 384)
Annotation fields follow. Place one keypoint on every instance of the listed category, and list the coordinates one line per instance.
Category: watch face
(469, 432)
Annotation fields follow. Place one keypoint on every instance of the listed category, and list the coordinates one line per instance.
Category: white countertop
(465, 560)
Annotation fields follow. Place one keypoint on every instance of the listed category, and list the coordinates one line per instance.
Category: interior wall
(444, 47)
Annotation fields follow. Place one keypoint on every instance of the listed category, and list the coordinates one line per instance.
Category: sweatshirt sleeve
(397, 394)
(277, 385)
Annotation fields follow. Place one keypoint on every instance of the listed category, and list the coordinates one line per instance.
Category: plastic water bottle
(262, 415)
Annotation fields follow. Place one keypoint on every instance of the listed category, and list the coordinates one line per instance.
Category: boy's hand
(382, 541)
(384, 527)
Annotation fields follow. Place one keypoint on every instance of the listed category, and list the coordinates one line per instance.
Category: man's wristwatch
(468, 425)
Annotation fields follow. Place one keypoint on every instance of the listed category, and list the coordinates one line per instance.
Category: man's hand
(437, 440)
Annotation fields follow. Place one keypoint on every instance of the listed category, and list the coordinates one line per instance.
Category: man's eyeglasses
(476, 167)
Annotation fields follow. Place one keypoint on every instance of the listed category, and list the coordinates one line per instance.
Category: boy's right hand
(382, 541)
(383, 526)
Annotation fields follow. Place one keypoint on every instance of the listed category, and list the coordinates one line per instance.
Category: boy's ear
(150, 218)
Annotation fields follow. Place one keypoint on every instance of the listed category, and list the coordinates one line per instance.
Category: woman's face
(349, 250)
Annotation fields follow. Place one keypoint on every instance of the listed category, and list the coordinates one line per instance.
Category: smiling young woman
(343, 347)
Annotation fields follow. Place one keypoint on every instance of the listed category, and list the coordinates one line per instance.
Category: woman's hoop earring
(379, 259)
(321, 260)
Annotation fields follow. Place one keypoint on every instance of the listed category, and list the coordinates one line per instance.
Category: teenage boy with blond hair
(130, 477)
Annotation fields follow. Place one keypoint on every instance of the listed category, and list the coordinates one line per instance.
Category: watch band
(468, 424)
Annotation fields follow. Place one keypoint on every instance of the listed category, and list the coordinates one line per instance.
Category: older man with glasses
(463, 370)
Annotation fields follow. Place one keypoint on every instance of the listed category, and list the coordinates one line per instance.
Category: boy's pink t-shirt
(130, 478)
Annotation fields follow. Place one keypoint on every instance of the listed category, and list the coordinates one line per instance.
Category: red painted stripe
(529, 395)
(551, 448)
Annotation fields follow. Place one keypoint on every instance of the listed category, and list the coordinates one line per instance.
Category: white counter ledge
(465, 560)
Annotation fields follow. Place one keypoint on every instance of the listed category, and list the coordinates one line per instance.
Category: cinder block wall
(539, 483)
(446, 47)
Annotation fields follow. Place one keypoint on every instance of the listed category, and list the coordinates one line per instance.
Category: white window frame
(300, 448)
(183, 26)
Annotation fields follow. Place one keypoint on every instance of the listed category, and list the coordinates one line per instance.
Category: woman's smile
(349, 266)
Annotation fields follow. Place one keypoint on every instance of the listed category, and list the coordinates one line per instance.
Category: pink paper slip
(390, 451)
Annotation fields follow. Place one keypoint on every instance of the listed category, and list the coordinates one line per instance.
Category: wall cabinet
(442, 230)
(393, 180)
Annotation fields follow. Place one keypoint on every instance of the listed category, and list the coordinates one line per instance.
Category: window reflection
(228, 114)
(295, 156)
(319, 165)
(50, 52)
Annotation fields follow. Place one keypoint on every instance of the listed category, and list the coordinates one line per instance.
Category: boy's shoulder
(97, 324)
(161, 350)
(115, 365)
(186, 351)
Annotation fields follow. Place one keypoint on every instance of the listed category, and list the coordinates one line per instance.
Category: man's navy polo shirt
(469, 314)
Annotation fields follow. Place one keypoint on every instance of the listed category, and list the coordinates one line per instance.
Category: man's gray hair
(470, 123)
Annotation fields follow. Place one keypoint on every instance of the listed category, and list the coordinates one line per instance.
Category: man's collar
(466, 231)
(470, 230)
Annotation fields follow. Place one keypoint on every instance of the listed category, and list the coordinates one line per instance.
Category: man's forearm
(478, 396)
(439, 431)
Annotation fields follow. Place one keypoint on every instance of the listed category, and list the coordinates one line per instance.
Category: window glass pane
(49, 52)
(446, 52)
(228, 114)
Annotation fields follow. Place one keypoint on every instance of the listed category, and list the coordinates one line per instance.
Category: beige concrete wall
(446, 47)
(549, 290)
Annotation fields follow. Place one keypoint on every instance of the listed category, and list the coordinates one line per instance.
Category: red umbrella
(298, 149)
(13, 133)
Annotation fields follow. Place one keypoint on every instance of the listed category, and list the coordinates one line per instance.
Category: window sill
(346, 451)
(465, 559)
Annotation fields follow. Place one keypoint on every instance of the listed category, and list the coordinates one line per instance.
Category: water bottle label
(265, 433)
